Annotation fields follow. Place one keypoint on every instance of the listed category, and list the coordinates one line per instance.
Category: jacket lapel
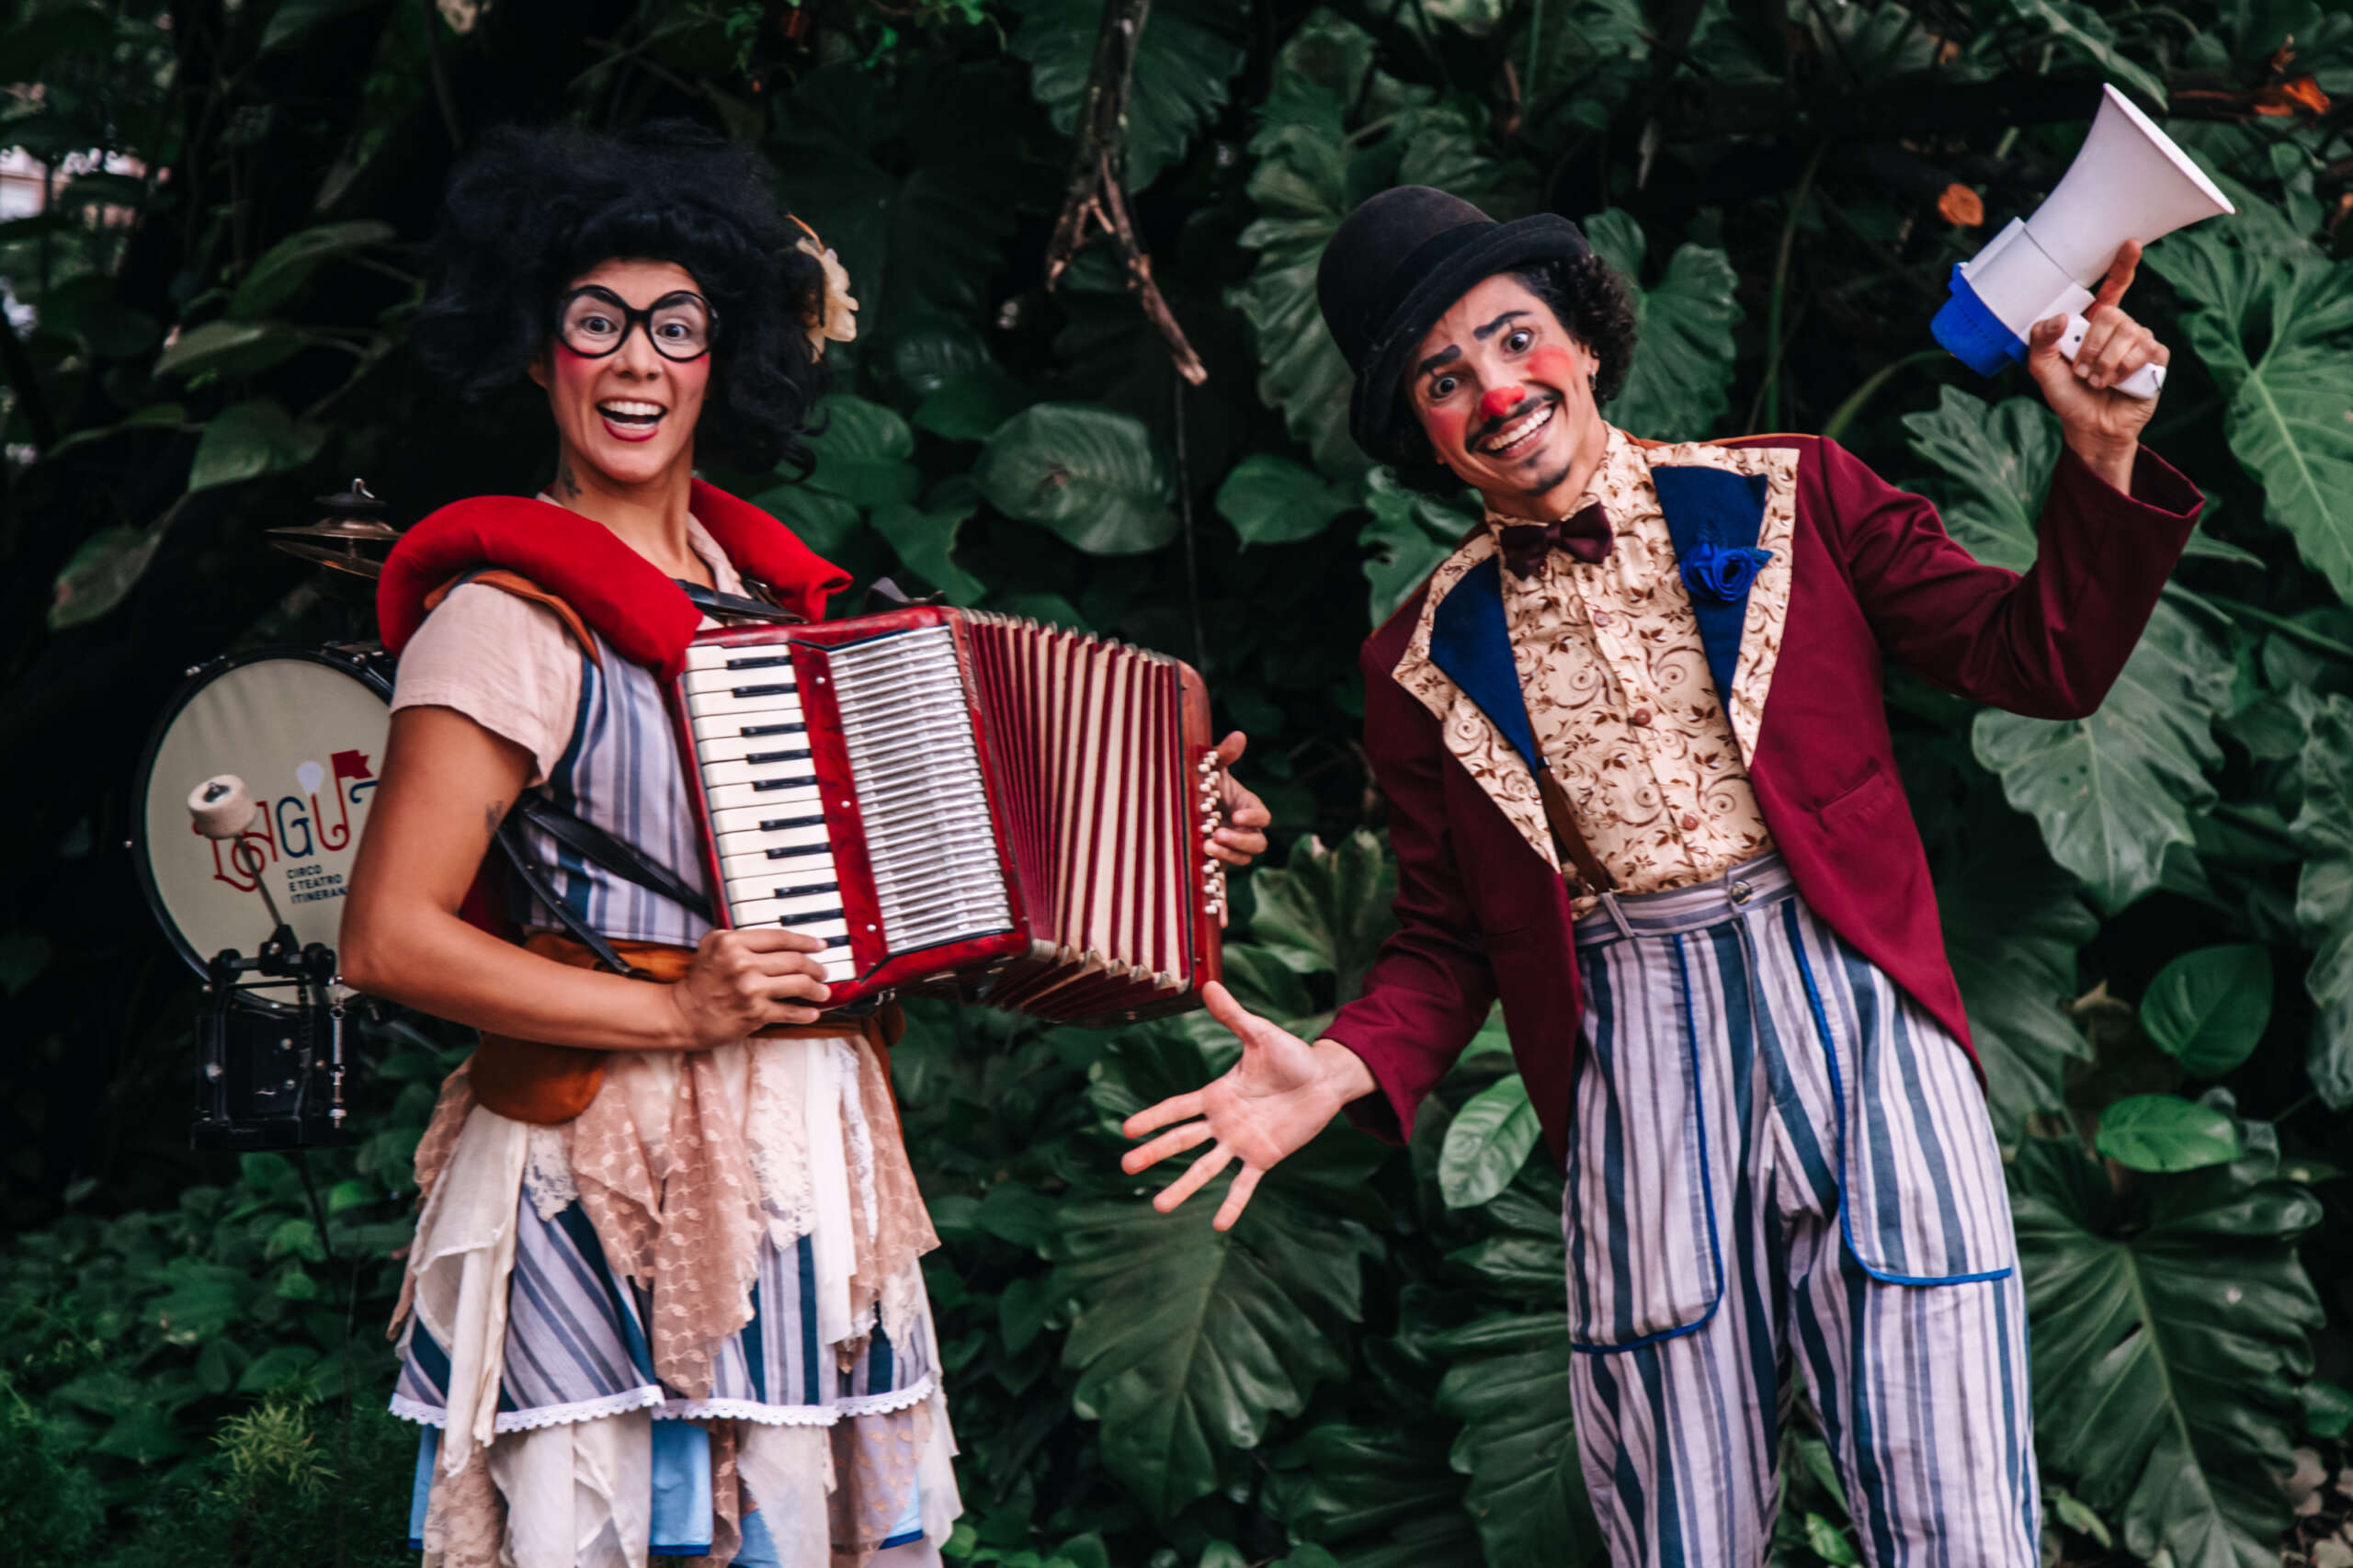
(1460, 666)
(1470, 643)
(1714, 516)
(1717, 500)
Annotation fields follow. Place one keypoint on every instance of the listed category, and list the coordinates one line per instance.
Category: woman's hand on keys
(1269, 1105)
(741, 980)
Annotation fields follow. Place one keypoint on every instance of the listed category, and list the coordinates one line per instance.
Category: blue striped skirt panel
(576, 1346)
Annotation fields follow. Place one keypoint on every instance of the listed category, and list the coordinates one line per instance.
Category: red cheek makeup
(1445, 428)
(1554, 366)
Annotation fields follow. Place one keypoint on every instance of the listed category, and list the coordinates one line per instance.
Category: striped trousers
(1782, 1167)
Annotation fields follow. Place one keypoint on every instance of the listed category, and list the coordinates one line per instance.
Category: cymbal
(350, 538)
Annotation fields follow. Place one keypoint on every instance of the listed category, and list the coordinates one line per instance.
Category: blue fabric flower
(1722, 573)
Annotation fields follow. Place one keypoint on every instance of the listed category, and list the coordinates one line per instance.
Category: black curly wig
(531, 209)
(1593, 302)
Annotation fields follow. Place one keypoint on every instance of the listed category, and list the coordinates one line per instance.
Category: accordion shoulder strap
(608, 853)
(510, 838)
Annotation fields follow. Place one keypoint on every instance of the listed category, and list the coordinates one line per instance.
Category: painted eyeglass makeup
(594, 321)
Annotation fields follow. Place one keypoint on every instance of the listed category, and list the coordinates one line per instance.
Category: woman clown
(665, 1297)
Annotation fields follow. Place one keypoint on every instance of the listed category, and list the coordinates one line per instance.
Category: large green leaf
(1411, 534)
(2168, 1327)
(1272, 500)
(1300, 189)
(1488, 1140)
(2324, 830)
(2114, 792)
(926, 542)
(101, 574)
(2084, 31)
(2286, 417)
(1357, 1479)
(2165, 1132)
(2207, 1008)
(1994, 463)
(249, 439)
(1189, 50)
(1509, 1386)
(229, 348)
(1680, 385)
(1187, 1340)
(1095, 477)
(2328, 1055)
(287, 265)
(864, 452)
(2012, 933)
(1326, 910)
(1582, 59)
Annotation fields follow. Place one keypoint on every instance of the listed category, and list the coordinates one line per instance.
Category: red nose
(1502, 400)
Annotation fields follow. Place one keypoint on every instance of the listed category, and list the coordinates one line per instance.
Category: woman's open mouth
(1520, 434)
(628, 420)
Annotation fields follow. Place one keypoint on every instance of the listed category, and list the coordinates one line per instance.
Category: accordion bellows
(962, 804)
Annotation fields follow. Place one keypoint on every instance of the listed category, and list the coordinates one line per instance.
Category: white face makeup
(1504, 395)
(628, 415)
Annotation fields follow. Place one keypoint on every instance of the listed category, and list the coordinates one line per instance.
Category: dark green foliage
(2150, 912)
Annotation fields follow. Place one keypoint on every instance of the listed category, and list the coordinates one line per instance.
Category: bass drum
(304, 728)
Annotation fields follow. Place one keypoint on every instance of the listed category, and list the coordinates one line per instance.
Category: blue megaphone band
(1973, 333)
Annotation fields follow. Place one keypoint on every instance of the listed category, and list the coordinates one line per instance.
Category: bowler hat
(1398, 263)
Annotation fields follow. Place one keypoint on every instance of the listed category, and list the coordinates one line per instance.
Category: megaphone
(2129, 182)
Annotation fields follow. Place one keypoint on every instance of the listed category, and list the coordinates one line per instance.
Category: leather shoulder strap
(522, 588)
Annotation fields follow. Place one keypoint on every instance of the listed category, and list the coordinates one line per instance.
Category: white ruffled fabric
(577, 1482)
(579, 1495)
(463, 1251)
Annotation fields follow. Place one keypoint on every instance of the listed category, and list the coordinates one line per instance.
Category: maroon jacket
(1482, 916)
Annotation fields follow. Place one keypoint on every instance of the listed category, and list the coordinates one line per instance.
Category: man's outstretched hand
(1266, 1106)
(2101, 424)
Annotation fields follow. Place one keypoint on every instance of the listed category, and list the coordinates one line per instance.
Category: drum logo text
(292, 827)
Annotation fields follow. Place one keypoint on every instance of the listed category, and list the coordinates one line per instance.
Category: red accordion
(962, 804)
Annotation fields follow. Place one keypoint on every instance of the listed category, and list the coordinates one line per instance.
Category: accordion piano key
(742, 703)
(789, 766)
(754, 740)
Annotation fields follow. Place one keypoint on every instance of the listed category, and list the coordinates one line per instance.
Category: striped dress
(690, 1322)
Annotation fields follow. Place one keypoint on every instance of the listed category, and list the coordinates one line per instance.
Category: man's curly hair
(529, 211)
(1593, 301)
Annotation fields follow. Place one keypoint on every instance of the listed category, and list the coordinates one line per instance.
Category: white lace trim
(860, 1137)
(650, 1397)
(645, 1397)
(884, 1404)
(749, 1410)
(546, 1173)
(424, 1414)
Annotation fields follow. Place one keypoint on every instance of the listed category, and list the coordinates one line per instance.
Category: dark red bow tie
(1584, 536)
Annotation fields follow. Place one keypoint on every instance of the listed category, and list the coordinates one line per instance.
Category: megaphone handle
(2144, 383)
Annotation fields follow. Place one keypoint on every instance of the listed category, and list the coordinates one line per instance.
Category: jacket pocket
(1644, 1202)
(1859, 799)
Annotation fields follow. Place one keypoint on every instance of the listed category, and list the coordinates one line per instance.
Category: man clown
(1641, 791)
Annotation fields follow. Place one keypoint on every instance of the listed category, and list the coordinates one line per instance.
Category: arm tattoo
(493, 814)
